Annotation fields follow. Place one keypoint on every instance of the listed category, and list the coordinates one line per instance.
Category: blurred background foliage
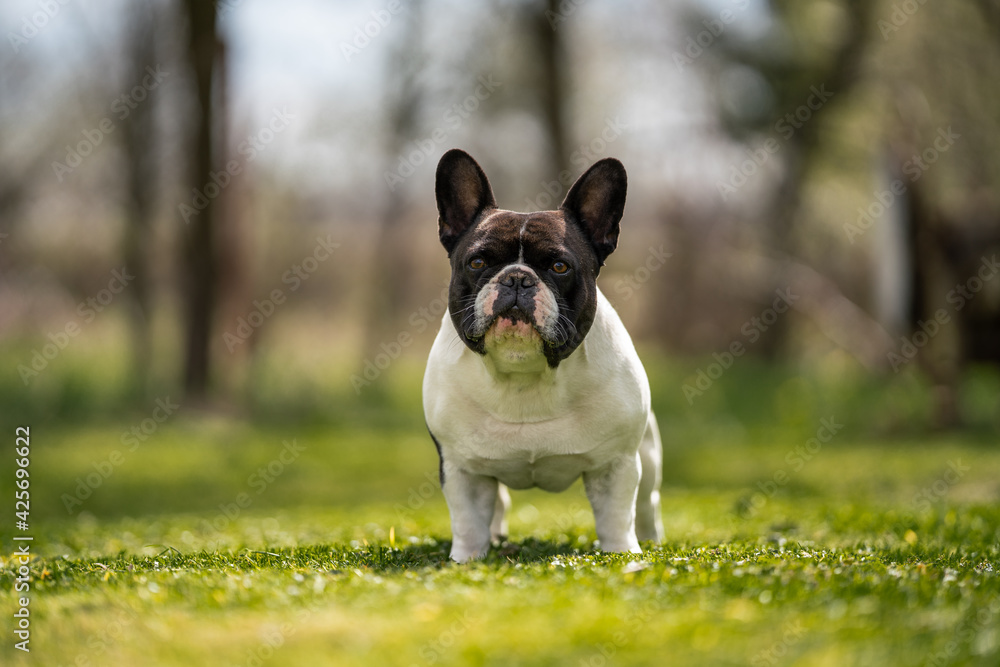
(262, 175)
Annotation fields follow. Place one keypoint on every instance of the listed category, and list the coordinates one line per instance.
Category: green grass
(872, 550)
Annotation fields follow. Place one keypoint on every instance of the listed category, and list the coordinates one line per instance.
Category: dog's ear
(463, 193)
(596, 203)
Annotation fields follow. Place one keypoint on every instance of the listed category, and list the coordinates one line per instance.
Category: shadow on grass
(433, 553)
(531, 550)
(331, 559)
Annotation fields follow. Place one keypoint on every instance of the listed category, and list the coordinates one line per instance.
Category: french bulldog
(533, 380)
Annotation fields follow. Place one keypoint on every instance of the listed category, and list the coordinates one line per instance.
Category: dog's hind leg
(648, 522)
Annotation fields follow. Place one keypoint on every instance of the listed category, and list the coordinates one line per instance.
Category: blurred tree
(811, 60)
(22, 164)
(916, 81)
(943, 133)
(140, 177)
(390, 281)
(530, 57)
(199, 247)
(546, 27)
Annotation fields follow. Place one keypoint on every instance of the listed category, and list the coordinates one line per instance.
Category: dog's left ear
(596, 203)
(463, 193)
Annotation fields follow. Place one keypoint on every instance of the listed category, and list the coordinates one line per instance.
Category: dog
(532, 380)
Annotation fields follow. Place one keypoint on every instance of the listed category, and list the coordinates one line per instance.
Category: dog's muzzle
(518, 294)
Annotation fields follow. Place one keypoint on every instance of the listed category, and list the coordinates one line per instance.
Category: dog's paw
(627, 545)
(461, 553)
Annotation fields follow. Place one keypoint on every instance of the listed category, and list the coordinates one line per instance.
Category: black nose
(522, 279)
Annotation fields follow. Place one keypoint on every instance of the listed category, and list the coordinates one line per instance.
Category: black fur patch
(437, 446)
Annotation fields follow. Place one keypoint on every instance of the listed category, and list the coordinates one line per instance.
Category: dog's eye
(560, 267)
(477, 263)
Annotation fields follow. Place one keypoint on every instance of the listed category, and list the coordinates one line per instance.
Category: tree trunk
(552, 84)
(390, 282)
(140, 178)
(199, 259)
(786, 205)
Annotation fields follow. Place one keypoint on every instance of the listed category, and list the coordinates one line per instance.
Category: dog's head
(525, 284)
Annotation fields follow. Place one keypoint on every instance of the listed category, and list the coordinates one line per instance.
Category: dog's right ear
(596, 202)
(463, 193)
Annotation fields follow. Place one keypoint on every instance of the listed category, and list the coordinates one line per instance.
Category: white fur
(510, 419)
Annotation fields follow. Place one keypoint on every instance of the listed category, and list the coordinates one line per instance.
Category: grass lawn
(811, 519)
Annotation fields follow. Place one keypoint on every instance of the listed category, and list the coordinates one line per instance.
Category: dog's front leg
(472, 500)
(612, 493)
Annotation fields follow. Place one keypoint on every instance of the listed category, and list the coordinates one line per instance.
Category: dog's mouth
(516, 318)
(514, 334)
(514, 324)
